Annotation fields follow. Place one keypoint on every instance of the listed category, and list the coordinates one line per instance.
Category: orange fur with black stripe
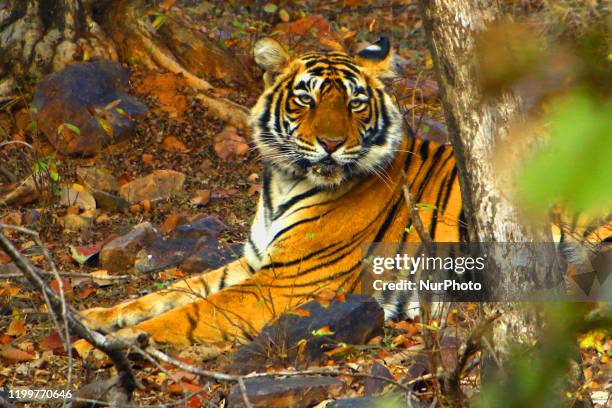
(334, 155)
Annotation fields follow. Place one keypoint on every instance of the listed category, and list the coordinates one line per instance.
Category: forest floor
(178, 134)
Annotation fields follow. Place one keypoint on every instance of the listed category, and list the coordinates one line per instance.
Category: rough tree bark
(41, 36)
(476, 126)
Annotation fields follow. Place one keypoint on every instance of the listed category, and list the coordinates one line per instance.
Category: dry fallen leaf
(172, 144)
(254, 189)
(52, 342)
(301, 312)
(201, 198)
(16, 328)
(4, 258)
(13, 355)
(8, 290)
(147, 158)
(65, 283)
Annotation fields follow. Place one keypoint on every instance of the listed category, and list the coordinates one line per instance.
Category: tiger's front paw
(104, 319)
(130, 339)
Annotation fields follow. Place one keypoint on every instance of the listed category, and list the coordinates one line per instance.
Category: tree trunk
(477, 125)
(42, 36)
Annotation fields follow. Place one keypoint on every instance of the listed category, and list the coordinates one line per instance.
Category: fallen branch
(17, 274)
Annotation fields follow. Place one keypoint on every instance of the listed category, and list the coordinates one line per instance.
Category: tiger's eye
(356, 104)
(305, 99)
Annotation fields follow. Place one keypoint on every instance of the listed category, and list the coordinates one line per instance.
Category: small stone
(71, 196)
(31, 217)
(97, 180)
(76, 223)
(120, 253)
(110, 202)
(156, 186)
(295, 392)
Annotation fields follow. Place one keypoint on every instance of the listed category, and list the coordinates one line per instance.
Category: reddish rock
(156, 186)
(120, 254)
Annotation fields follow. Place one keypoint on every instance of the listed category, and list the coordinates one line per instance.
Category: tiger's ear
(377, 58)
(271, 56)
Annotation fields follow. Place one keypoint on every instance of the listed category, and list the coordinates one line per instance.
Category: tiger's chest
(283, 203)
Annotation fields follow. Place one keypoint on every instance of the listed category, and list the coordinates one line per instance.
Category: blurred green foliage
(538, 376)
(575, 166)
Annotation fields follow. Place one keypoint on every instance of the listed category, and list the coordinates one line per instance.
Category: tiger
(336, 157)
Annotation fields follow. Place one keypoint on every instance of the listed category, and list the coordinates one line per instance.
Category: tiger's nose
(331, 144)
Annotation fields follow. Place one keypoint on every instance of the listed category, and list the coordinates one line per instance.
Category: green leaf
(33, 125)
(574, 167)
(270, 8)
(54, 175)
(424, 206)
(409, 229)
(72, 128)
(159, 21)
(108, 129)
(323, 331)
(82, 254)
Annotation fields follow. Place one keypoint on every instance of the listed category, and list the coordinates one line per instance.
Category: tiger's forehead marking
(326, 70)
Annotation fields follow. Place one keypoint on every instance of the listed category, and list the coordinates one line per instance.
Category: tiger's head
(325, 115)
